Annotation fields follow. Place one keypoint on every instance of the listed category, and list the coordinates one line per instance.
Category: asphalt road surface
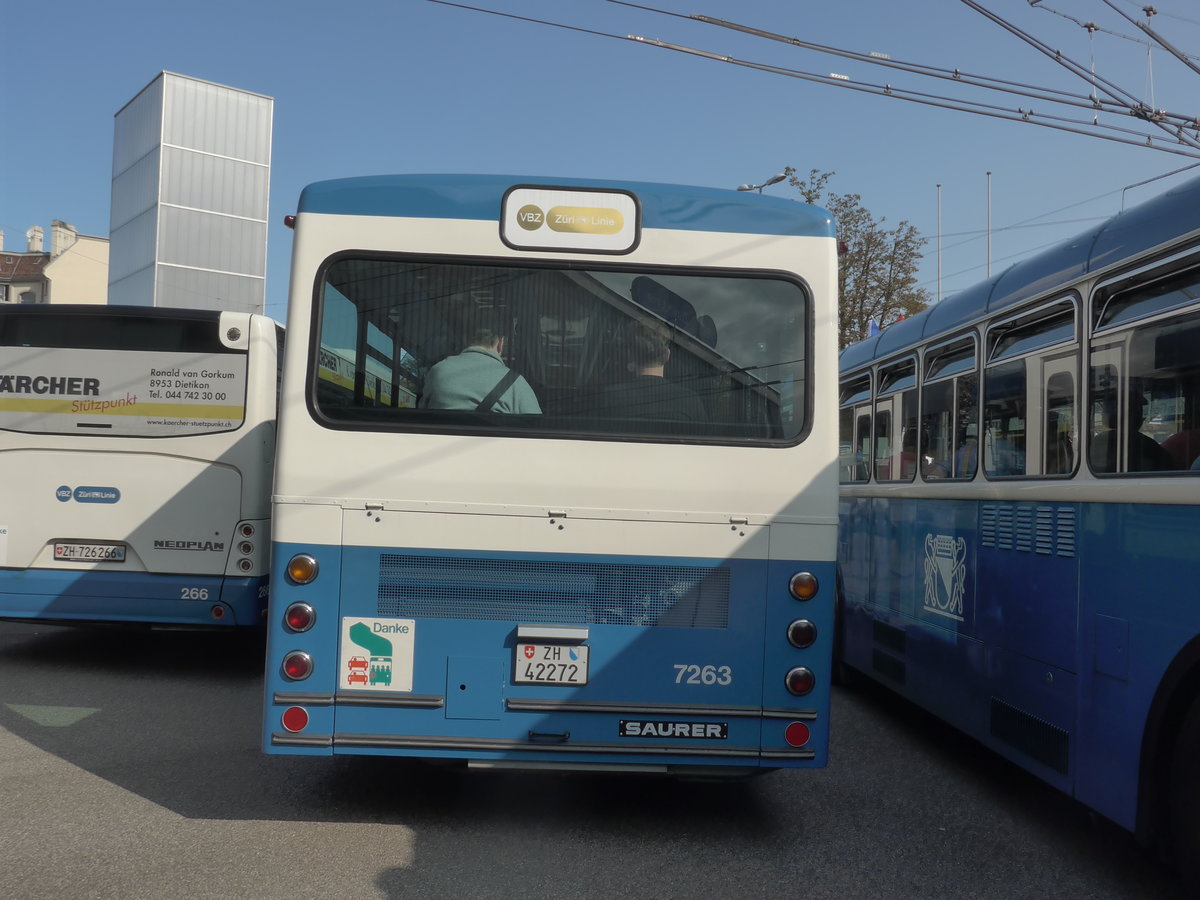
(130, 767)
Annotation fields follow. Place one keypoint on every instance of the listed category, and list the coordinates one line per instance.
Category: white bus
(600, 566)
(136, 453)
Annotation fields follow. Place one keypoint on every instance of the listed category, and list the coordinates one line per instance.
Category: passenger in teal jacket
(465, 380)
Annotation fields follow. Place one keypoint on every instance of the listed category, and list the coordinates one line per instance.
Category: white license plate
(565, 664)
(77, 552)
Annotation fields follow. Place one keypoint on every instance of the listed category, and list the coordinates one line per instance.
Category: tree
(877, 273)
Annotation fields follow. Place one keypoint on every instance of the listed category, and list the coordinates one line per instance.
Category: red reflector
(217, 612)
(295, 718)
(797, 734)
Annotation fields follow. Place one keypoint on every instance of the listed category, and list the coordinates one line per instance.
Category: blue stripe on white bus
(132, 597)
(464, 702)
(479, 197)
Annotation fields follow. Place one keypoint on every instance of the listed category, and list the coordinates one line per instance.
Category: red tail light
(800, 681)
(299, 617)
(297, 665)
(802, 633)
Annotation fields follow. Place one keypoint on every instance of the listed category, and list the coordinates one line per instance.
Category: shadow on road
(907, 807)
(177, 721)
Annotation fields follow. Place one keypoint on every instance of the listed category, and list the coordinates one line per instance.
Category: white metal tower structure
(191, 176)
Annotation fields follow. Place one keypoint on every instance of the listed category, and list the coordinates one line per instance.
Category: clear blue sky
(385, 86)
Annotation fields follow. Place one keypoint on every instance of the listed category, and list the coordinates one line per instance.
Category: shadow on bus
(969, 773)
(175, 717)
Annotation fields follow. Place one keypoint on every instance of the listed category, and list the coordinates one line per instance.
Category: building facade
(191, 176)
(75, 270)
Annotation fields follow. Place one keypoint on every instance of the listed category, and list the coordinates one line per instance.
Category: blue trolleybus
(136, 446)
(620, 555)
(1020, 515)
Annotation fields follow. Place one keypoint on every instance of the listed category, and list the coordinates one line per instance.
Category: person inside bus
(1142, 452)
(908, 453)
(966, 457)
(477, 378)
(1060, 455)
(646, 393)
(1004, 439)
(932, 467)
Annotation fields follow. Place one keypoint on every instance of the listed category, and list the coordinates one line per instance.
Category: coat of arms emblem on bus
(945, 575)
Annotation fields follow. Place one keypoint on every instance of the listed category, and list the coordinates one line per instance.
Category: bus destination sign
(535, 218)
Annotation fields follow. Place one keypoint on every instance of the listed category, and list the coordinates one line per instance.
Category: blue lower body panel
(422, 654)
(135, 597)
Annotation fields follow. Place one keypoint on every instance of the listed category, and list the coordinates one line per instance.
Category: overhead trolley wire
(1092, 26)
(1133, 104)
(1142, 5)
(1186, 144)
(1155, 36)
(957, 75)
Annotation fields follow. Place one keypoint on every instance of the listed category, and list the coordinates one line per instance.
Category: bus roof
(106, 309)
(479, 197)
(1170, 215)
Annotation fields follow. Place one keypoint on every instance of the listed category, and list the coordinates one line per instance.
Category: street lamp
(774, 179)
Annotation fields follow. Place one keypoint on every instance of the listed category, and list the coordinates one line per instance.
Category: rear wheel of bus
(1185, 799)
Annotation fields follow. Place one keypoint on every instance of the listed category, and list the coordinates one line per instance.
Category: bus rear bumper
(730, 762)
(136, 598)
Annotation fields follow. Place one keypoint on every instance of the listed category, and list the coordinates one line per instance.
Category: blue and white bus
(601, 565)
(136, 447)
(1020, 514)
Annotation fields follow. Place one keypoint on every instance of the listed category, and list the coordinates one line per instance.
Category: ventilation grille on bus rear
(553, 592)
(1047, 530)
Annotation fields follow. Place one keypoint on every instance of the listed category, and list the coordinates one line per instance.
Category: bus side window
(846, 446)
(1058, 444)
(854, 442)
(854, 429)
(1004, 419)
(1144, 386)
(908, 454)
(950, 411)
(1119, 444)
(937, 429)
(966, 452)
(862, 447)
(896, 422)
(1163, 373)
(883, 449)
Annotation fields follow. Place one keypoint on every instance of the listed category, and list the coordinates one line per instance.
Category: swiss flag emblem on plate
(529, 651)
